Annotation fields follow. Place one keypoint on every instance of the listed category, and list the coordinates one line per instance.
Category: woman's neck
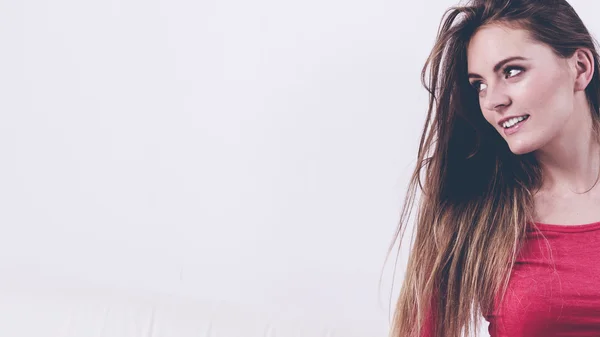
(571, 162)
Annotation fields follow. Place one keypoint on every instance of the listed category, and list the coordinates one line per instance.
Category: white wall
(253, 152)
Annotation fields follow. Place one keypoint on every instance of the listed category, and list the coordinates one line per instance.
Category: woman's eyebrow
(500, 64)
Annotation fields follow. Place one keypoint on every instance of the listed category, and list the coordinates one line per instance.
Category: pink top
(545, 299)
(553, 299)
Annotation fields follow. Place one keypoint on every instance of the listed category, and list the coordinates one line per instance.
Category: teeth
(511, 122)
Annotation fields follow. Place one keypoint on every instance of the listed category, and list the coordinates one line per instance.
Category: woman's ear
(584, 67)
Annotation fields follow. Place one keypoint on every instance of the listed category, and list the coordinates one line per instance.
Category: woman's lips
(506, 119)
(516, 127)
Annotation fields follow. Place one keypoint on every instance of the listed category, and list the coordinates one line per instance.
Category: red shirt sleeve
(429, 325)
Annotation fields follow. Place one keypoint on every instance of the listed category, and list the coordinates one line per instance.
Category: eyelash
(504, 71)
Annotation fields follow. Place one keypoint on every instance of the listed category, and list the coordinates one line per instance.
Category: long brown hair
(477, 196)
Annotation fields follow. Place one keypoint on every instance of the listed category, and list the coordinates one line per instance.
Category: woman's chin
(520, 147)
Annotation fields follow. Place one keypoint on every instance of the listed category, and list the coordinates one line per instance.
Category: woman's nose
(496, 99)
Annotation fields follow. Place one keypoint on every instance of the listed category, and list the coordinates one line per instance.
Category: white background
(250, 152)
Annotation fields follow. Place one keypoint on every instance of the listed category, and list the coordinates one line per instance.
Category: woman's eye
(507, 70)
(477, 86)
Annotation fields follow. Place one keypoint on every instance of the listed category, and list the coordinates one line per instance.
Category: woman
(508, 224)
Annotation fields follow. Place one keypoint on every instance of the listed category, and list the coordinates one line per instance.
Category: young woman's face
(527, 100)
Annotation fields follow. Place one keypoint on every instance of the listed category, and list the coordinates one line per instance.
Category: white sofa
(28, 309)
